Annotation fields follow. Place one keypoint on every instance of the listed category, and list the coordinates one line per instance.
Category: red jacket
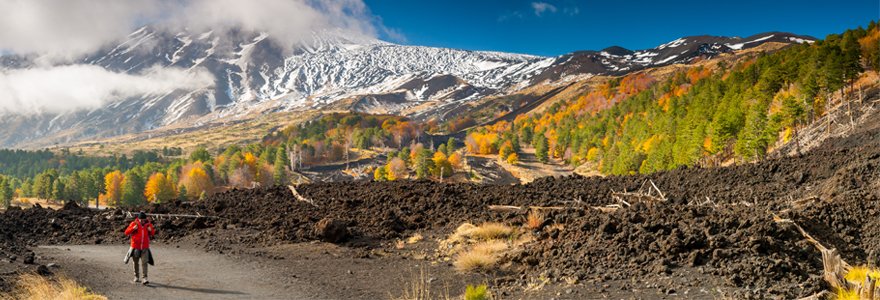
(140, 237)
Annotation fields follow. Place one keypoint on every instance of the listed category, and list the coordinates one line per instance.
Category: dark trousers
(140, 259)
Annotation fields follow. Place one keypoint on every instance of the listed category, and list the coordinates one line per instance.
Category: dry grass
(475, 261)
(485, 232)
(535, 219)
(35, 287)
(490, 247)
(481, 257)
(419, 288)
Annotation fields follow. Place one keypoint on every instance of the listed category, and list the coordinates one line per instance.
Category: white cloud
(541, 7)
(286, 21)
(58, 33)
(66, 29)
(63, 30)
(73, 87)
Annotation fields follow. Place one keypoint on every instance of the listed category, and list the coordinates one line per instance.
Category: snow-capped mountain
(618, 60)
(252, 73)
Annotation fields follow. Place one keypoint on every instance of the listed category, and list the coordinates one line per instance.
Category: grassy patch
(35, 287)
(482, 256)
(472, 260)
(485, 232)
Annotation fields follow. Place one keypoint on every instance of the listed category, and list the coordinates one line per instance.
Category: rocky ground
(715, 236)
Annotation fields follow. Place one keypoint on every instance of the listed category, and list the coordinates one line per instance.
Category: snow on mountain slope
(253, 74)
(250, 69)
(617, 60)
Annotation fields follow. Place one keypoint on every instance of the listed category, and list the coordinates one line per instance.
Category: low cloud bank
(67, 88)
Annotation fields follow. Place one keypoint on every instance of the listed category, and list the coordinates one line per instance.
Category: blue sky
(553, 27)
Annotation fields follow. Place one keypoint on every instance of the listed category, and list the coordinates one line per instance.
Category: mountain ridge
(251, 70)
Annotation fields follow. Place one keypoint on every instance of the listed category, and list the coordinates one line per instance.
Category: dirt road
(179, 274)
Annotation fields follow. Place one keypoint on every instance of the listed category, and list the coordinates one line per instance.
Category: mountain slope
(253, 74)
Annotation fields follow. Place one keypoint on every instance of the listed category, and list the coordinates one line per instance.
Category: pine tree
(181, 192)
(58, 191)
(851, 57)
(450, 146)
(6, 192)
(132, 189)
(541, 148)
(200, 154)
(423, 163)
(279, 168)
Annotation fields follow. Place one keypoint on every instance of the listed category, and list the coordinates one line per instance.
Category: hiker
(141, 232)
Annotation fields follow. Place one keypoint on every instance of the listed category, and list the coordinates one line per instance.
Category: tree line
(637, 124)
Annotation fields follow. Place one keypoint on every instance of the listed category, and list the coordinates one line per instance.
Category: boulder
(331, 230)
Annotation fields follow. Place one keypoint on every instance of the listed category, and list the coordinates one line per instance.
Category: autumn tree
(380, 174)
(505, 150)
(159, 188)
(395, 169)
(196, 181)
(441, 166)
(113, 187)
(513, 159)
(455, 160)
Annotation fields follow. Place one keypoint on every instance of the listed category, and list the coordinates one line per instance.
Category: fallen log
(517, 208)
(636, 196)
(196, 216)
(606, 208)
(834, 268)
(300, 197)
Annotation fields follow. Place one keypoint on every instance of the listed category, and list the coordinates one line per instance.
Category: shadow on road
(196, 290)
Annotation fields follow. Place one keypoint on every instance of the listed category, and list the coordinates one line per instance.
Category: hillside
(717, 231)
(251, 74)
(704, 115)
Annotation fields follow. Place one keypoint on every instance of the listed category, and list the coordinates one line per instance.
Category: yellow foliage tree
(196, 181)
(592, 154)
(441, 164)
(113, 187)
(513, 159)
(159, 188)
